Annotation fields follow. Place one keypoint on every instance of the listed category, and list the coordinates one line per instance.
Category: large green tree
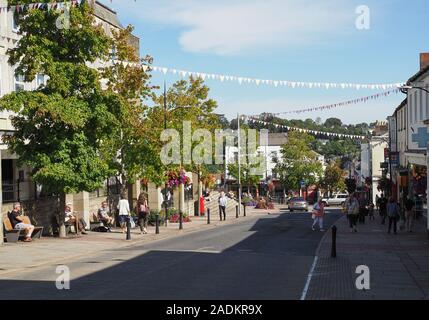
(127, 78)
(298, 162)
(61, 126)
(333, 178)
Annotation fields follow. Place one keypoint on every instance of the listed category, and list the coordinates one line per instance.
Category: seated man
(103, 215)
(71, 218)
(17, 221)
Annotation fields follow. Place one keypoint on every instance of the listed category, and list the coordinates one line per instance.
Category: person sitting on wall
(17, 221)
(71, 218)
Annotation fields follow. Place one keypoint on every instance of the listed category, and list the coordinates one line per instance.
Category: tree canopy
(298, 162)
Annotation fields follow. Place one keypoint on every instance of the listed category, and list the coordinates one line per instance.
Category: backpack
(101, 229)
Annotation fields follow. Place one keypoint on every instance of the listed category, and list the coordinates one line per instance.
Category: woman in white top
(124, 212)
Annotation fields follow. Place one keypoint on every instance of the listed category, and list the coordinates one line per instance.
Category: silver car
(298, 204)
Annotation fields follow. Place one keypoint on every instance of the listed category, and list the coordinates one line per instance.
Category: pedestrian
(377, 202)
(319, 213)
(142, 211)
(371, 211)
(409, 214)
(393, 214)
(124, 212)
(352, 209)
(223, 201)
(383, 209)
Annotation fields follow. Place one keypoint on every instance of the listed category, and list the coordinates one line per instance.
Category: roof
(277, 139)
(107, 14)
(418, 75)
(401, 105)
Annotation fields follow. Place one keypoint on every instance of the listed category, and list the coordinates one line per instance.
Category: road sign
(418, 137)
(302, 183)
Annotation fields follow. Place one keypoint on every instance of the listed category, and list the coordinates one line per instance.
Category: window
(15, 26)
(420, 102)
(19, 82)
(40, 80)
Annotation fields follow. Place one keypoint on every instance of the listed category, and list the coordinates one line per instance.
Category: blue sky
(296, 40)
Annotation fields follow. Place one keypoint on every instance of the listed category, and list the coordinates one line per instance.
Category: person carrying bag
(352, 209)
(318, 214)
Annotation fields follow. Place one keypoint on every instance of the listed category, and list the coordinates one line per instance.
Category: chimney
(424, 60)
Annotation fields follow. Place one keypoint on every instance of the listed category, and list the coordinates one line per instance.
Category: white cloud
(232, 27)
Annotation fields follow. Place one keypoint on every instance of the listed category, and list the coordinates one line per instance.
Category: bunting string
(277, 83)
(41, 6)
(315, 132)
(339, 104)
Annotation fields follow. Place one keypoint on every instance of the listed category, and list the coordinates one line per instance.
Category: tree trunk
(61, 216)
(130, 194)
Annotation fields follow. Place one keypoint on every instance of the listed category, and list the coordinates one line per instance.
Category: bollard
(180, 220)
(220, 213)
(157, 224)
(334, 242)
(208, 215)
(129, 228)
(244, 210)
(236, 212)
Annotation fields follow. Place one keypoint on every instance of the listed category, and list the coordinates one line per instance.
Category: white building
(411, 122)
(372, 155)
(269, 153)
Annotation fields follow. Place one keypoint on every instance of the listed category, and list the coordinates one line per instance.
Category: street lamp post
(166, 183)
(165, 127)
(405, 89)
(239, 164)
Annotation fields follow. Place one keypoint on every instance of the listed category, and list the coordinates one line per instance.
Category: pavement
(262, 256)
(398, 264)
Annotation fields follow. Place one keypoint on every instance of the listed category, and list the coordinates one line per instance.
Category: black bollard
(157, 224)
(244, 210)
(334, 242)
(129, 228)
(180, 220)
(208, 215)
(236, 212)
(220, 213)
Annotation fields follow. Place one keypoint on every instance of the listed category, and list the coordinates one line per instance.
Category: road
(259, 258)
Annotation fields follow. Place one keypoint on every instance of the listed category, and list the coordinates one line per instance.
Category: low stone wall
(42, 213)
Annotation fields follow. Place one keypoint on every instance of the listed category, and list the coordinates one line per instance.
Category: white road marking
(190, 250)
(310, 275)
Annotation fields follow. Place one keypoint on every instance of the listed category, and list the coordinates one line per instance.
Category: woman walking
(142, 210)
(409, 213)
(392, 214)
(319, 213)
(352, 207)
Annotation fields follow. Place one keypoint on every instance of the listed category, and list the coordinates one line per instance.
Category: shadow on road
(270, 260)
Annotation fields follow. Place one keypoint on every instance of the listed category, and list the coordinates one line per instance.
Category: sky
(294, 40)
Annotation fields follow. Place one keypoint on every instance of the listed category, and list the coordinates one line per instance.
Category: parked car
(337, 199)
(297, 203)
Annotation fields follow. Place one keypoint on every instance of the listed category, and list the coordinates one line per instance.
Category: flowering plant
(177, 177)
(175, 218)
